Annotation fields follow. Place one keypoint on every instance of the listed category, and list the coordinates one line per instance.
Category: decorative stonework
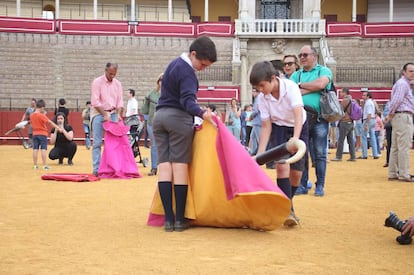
(279, 45)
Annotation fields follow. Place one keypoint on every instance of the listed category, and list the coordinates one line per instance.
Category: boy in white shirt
(283, 118)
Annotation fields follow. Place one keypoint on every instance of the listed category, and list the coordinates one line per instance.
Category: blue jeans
(243, 136)
(318, 141)
(154, 158)
(235, 131)
(87, 135)
(372, 139)
(98, 135)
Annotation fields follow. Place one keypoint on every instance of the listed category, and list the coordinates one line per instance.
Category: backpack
(356, 111)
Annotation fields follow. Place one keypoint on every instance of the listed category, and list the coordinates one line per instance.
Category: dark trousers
(346, 129)
(388, 134)
(66, 151)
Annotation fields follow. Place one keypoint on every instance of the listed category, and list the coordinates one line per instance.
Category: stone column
(244, 78)
(132, 18)
(205, 10)
(170, 11)
(57, 9)
(18, 8)
(354, 10)
(391, 15)
(95, 9)
(311, 9)
(247, 9)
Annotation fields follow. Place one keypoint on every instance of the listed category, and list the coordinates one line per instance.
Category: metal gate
(275, 9)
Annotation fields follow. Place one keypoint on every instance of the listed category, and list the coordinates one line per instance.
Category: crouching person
(62, 138)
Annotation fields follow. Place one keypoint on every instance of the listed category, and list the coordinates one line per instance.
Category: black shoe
(181, 226)
(385, 165)
(376, 157)
(153, 172)
(70, 162)
(168, 226)
(351, 160)
(362, 157)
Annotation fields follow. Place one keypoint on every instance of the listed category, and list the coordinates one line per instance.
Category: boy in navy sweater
(173, 127)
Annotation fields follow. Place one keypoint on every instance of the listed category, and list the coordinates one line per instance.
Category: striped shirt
(401, 97)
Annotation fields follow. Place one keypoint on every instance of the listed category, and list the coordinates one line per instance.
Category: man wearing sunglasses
(312, 78)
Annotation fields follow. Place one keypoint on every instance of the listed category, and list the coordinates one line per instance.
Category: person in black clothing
(62, 138)
(62, 108)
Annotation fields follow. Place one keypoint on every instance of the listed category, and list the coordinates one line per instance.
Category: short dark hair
(262, 71)
(88, 102)
(131, 91)
(204, 48)
(368, 94)
(406, 65)
(62, 101)
(345, 90)
(212, 107)
(110, 64)
(40, 103)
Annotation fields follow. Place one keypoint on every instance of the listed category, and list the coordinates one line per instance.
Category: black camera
(394, 222)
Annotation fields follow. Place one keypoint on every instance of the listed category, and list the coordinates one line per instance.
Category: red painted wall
(8, 120)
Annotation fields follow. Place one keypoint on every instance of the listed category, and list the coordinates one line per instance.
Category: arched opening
(48, 12)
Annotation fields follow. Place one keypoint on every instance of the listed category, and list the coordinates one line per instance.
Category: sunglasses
(288, 63)
(304, 55)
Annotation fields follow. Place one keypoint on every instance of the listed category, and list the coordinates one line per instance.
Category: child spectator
(39, 122)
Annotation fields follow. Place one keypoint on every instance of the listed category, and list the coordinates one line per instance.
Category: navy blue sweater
(179, 88)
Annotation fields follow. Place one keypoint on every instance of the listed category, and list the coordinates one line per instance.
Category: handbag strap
(325, 90)
(347, 106)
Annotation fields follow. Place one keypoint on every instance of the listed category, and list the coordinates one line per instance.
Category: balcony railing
(294, 28)
(367, 75)
(216, 73)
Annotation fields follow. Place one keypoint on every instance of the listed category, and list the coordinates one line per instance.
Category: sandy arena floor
(50, 227)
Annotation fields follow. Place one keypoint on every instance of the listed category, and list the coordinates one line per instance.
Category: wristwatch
(299, 84)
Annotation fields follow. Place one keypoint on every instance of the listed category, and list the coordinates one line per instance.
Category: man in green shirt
(313, 78)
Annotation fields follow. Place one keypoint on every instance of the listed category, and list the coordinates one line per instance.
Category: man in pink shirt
(107, 104)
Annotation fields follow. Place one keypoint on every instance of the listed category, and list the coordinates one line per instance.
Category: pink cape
(117, 160)
(227, 188)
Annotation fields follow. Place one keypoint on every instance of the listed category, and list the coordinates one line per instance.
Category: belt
(403, 112)
(110, 111)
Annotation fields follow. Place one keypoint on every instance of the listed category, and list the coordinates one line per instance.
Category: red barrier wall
(8, 120)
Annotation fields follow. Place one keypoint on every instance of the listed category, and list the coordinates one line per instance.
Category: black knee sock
(293, 189)
(284, 185)
(180, 201)
(165, 189)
